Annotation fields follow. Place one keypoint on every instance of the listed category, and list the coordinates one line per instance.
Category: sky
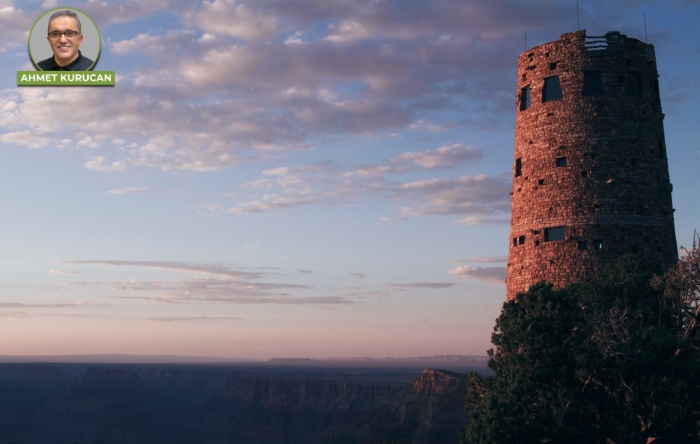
(275, 178)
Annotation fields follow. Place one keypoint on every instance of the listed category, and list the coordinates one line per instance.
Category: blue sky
(288, 178)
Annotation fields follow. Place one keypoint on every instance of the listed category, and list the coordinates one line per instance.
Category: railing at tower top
(595, 43)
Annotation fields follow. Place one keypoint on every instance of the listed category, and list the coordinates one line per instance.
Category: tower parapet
(590, 177)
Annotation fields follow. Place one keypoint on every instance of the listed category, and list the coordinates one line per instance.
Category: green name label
(65, 78)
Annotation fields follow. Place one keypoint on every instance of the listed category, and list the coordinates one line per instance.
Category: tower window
(553, 66)
(515, 241)
(525, 100)
(554, 234)
(552, 89)
(521, 240)
(592, 83)
(561, 161)
(634, 84)
(598, 244)
(518, 167)
(583, 245)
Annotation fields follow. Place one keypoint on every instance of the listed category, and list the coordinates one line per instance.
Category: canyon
(281, 401)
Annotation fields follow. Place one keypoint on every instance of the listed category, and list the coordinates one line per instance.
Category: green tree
(605, 361)
(681, 288)
(534, 395)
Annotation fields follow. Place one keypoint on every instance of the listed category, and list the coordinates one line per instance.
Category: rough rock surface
(179, 404)
(590, 177)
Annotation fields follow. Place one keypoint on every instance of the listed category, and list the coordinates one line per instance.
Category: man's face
(65, 49)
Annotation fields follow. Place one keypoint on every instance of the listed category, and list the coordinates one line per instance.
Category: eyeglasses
(57, 34)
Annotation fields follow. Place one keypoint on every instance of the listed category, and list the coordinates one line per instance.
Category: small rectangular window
(583, 245)
(552, 89)
(554, 234)
(561, 161)
(592, 83)
(597, 244)
(525, 100)
(515, 241)
(634, 84)
(518, 167)
(521, 240)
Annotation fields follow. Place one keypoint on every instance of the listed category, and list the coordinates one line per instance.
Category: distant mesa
(290, 361)
(443, 361)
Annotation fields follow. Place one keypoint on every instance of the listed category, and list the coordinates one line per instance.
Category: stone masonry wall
(590, 177)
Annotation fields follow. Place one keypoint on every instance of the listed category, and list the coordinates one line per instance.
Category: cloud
(63, 272)
(485, 220)
(132, 190)
(226, 89)
(220, 284)
(234, 290)
(153, 45)
(99, 163)
(481, 195)
(26, 138)
(71, 315)
(483, 198)
(241, 79)
(242, 82)
(6, 314)
(235, 19)
(106, 12)
(272, 202)
(487, 260)
(444, 157)
(212, 269)
(433, 285)
(15, 24)
(58, 305)
(190, 318)
(489, 274)
(229, 291)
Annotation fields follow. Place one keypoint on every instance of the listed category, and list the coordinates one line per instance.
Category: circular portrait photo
(64, 39)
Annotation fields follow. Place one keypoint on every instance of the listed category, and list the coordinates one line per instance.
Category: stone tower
(590, 177)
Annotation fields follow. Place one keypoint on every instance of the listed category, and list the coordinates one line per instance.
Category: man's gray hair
(67, 13)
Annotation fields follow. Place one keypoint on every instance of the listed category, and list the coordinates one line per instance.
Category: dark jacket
(82, 63)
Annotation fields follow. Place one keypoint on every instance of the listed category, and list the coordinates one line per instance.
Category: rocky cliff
(165, 404)
(432, 411)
